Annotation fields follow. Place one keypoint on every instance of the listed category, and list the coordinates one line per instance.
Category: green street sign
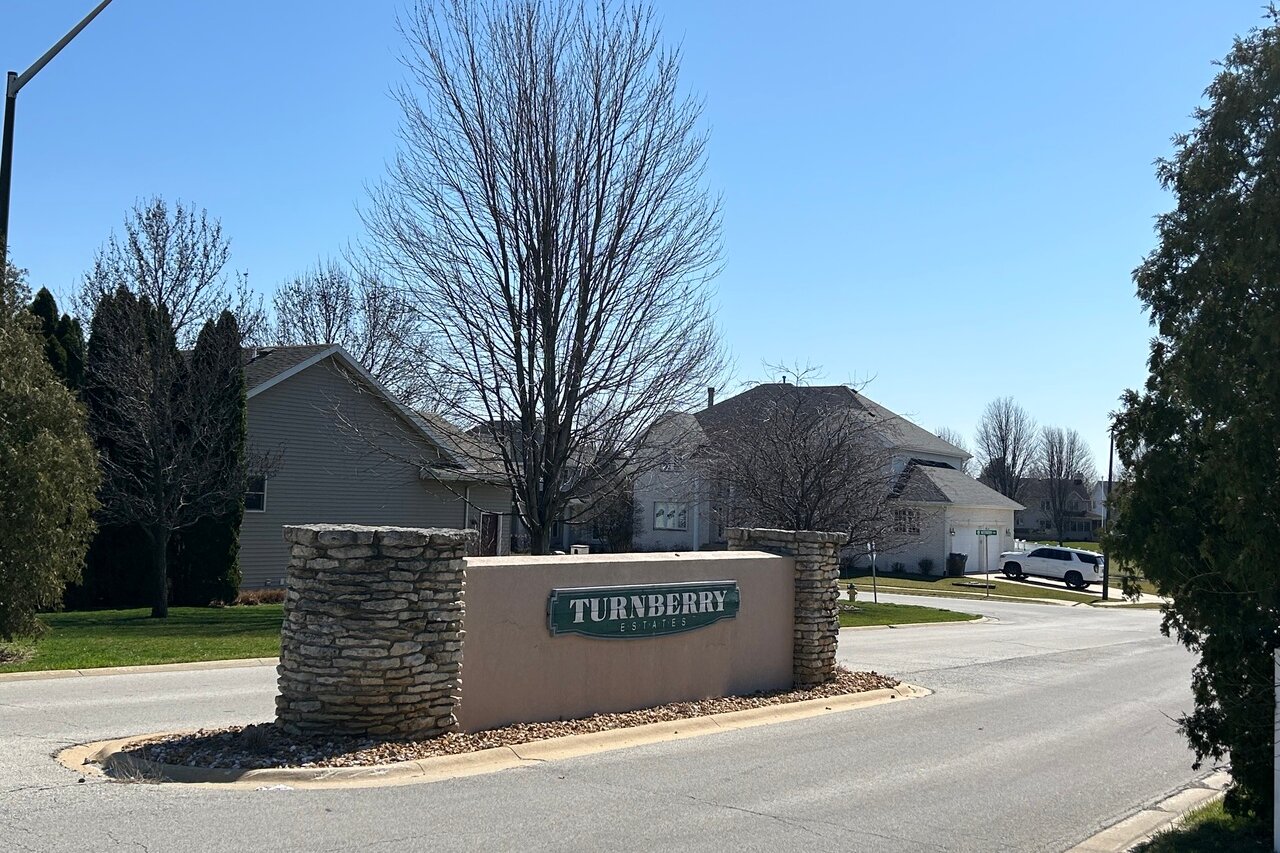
(641, 611)
(987, 532)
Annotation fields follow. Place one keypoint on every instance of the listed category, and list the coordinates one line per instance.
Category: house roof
(266, 367)
(264, 364)
(897, 431)
(931, 482)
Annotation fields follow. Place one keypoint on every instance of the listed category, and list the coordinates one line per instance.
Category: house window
(668, 515)
(906, 520)
(255, 495)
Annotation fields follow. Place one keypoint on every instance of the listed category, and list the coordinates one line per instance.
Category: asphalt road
(1045, 726)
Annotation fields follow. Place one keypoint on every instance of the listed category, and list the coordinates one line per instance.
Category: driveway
(1044, 727)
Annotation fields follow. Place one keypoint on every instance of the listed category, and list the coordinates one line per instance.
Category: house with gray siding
(328, 444)
(938, 509)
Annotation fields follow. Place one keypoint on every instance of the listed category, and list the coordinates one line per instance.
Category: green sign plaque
(641, 611)
(987, 532)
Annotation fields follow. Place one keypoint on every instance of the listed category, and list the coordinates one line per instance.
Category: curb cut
(1140, 826)
(106, 759)
(190, 666)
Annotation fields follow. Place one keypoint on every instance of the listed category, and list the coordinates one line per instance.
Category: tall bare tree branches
(547, 215)
(176, 257)
(355, 306)
(1066, 464)
(1006, 446)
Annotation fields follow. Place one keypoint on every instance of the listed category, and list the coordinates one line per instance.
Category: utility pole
(13, 84)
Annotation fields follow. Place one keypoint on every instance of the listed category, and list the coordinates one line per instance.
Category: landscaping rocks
(266, 745)
(372, 636)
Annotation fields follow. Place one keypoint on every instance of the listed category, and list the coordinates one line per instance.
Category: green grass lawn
(1209, 828)
(96, 638)
(935, 585)
(868, 613)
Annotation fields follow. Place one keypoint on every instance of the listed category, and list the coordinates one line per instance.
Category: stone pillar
(817, 614)
(372, 635)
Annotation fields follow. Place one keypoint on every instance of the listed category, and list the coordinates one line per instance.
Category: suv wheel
(1012, 571)
(1075, 580)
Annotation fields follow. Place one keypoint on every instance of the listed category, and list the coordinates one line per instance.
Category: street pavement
(1044, 727)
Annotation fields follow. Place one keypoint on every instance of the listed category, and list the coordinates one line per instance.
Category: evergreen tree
(206, 565)
(48, 469)
(63, 340)
(1197, 515)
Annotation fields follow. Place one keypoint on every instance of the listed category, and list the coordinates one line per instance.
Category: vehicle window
(1055, 554)
(1039, 552)
(1091, 559)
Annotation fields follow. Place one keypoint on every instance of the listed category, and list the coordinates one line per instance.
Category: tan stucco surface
(514, 670)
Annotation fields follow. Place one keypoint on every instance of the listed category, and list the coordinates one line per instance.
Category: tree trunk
(159, 572)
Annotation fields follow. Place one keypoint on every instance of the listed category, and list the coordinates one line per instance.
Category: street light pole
(13, 84)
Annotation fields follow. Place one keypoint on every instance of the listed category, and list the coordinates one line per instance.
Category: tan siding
(339, 454)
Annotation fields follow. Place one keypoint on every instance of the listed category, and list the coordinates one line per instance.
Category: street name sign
(641, 611)
(987, 532)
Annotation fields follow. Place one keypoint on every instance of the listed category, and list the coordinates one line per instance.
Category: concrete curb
(192, 666)
(106, 759)
(1142, 825)
(976, 596)
(975, 621)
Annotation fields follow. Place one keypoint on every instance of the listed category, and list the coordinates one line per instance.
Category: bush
(926, 566)
(251, 597)
(898, 568)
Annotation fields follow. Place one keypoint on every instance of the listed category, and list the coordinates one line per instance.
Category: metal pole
(6, 163)
(875, 593)
(1106, 517)
(13, 85)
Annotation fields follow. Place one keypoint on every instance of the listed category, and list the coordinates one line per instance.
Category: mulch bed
(263, 745)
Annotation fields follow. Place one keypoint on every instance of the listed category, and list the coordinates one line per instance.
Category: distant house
(938, 509)
(327, 443)
(1084, 514)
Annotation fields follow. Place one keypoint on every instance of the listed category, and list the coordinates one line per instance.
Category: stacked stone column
(372, 635)
(817, 610)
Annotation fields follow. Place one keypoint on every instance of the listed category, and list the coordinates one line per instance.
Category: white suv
(1075, 567)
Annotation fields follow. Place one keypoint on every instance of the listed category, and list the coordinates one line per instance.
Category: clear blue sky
(945, 198)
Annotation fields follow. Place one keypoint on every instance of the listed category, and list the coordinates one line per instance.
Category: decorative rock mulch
(265, 745)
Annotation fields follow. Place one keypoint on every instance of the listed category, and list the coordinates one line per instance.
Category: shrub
(926, 566)
(898, 567)
(252, 597)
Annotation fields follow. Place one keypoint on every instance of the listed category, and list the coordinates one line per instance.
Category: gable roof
(266, 367)
(897, 431)
(931, 482)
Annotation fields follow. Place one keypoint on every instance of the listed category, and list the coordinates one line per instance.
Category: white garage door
(966, 542)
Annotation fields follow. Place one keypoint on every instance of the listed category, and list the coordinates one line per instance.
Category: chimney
(711, 396)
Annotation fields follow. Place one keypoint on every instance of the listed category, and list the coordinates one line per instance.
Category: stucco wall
(513, 668)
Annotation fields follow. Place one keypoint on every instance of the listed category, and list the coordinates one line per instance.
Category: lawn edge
(94, 759)
(90, 672)
(977, 619)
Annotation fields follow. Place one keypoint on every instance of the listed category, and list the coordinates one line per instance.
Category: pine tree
(63, 340)
(1200, 441)
(206, 566)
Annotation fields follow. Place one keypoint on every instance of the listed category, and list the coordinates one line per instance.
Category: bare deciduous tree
(1006, 446)
(801, 458)
(1066, 464)
(547, 215)
(176, 258)
(955, 439)
(354, 306)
